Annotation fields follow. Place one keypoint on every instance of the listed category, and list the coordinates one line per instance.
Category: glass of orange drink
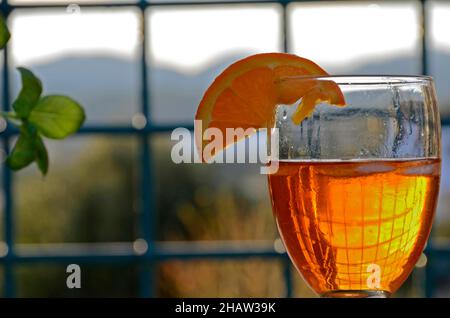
(359, 166)
(356, 189)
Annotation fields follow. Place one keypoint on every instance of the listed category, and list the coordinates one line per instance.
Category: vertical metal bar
(429, 272)
(424, 37)
(146, 277)
(9, 283)
(285, 37)
(285, 26)
(428, 277)
(288, 277)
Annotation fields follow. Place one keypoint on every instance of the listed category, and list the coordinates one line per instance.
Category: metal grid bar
(147, 218)
(112, 253)
(429, 272)
(177, 3)
(165, 3)
(126, 252)
(7, 180)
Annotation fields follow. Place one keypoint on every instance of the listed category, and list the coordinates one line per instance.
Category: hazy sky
(190, 38)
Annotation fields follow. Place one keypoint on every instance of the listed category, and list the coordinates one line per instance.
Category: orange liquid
(357, 225)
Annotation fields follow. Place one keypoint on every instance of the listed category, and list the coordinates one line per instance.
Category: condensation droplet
(73, 8)
(396, 99)
(364, 152)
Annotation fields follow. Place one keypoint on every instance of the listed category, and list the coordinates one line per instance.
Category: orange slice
(245, 95)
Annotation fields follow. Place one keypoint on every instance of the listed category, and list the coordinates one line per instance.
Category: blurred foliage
(253, 278)
(93, 196)
(90, 199)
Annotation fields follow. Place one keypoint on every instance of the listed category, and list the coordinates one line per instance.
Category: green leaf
(23, 152)
(41, 155)
(28, 148)
(29, 95)
(4, 33)
(57, 116)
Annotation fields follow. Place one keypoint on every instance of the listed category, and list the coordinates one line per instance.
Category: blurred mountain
(439, 67)
(109, 87)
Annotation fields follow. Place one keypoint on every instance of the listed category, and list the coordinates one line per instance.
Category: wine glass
(357, 186)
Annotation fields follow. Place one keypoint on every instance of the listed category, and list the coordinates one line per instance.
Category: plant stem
(9, 115)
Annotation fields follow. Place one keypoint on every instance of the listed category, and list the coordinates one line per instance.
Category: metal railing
(146, 258)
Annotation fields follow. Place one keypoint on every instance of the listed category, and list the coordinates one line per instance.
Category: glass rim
(367, 79)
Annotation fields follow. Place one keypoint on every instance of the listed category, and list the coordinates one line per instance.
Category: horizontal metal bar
(114, 129)
(439, 247)
(152, 4)
(438, 252)
(170, 3)
(445, 121)
(218, 250)
(19, 6)
(132, 253)
(125, 252)
(74, 253)
(155, 128)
